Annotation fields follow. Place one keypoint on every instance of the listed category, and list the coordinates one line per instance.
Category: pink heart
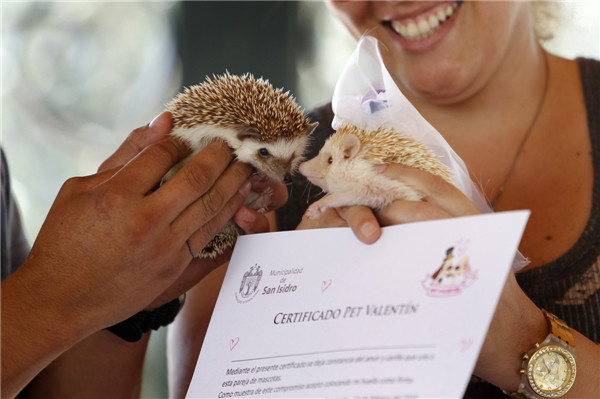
(326, 284)
(233, 342)
(466, 344)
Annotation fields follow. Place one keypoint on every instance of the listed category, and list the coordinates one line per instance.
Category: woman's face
(442, 51)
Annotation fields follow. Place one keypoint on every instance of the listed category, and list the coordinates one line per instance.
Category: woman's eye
(330, 160)
(263, 152)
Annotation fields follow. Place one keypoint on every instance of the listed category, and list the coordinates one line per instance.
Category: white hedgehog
(264, 126)
(345, 168)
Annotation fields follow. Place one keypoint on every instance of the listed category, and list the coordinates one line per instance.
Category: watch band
(133, 328)
(559, 328)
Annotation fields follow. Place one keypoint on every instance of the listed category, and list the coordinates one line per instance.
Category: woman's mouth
(426, 24)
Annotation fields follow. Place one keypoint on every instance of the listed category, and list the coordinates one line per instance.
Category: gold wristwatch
(548, 369)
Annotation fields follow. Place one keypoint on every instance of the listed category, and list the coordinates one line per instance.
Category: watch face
(551, 371)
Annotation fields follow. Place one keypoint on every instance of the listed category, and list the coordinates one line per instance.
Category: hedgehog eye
(264, 152)
(330, 160)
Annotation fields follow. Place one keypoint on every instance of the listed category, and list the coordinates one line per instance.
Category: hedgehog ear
(311, 128)
(350, 146)
(248, 133)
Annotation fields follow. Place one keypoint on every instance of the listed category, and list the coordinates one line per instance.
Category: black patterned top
(568, 286)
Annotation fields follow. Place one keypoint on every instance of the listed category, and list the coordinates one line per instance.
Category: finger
(139, 139)
(206, 231)
(146, 170)
(210, 212)
(402, 211)
(362, 221)
(251, 221)
(329, 218)
(434, 189)
(195, 178)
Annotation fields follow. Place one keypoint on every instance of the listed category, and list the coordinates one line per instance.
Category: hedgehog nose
(287, 179)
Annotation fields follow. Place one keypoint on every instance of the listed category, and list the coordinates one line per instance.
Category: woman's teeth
(423, 26)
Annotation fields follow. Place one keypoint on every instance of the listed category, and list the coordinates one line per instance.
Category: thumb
(139, 139)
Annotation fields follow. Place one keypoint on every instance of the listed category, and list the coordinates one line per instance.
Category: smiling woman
(425, 24)
(524, 121)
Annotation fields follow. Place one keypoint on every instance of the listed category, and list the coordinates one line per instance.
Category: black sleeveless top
(568, 286)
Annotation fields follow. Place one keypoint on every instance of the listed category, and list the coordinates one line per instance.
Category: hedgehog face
(333, 169)
(276, 160)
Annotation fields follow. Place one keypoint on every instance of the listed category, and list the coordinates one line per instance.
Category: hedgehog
(345, 168)
(264, 126)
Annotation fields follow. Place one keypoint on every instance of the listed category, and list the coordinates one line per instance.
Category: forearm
(516, 327)
(101, 366)
(34, 331)
(53, 350)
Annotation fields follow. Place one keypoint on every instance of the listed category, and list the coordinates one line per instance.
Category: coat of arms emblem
(249, 284)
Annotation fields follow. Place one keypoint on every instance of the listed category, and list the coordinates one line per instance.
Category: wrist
(48, 308)
(548, 369)
(134, 328)
(512, 333)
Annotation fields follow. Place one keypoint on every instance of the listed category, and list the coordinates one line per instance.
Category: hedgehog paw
(314, 211)
(263, 201)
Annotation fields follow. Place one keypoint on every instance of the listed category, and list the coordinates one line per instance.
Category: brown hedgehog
(344, 168)
(264, 126)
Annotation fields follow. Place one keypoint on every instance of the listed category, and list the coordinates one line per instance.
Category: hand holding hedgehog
(264, 126)
(346, 168)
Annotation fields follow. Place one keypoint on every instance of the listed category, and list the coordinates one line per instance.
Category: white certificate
(316, 313)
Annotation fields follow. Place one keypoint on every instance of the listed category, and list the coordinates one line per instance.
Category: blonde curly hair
(547, 18)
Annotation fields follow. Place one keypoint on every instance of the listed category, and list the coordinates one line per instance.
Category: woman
(525, 123)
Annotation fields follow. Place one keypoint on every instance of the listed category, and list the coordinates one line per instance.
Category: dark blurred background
(264, 38)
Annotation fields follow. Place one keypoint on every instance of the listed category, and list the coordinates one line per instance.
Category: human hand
(440, 200)
(360, 219)
(112, 242)
(249, 220)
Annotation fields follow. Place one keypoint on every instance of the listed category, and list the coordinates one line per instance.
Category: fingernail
(245, 189)
(158, 119)
(247, 216)
(154, 120)
(368, 230)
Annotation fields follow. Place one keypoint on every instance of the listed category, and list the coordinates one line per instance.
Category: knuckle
(214, 200)
(439, 186)
(133, 139)
(72, 185)
(167, 151)
(222, 148)
(197, 176)
(423, 211)
(162, 152)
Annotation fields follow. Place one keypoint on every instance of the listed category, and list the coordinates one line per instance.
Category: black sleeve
(301, 192)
